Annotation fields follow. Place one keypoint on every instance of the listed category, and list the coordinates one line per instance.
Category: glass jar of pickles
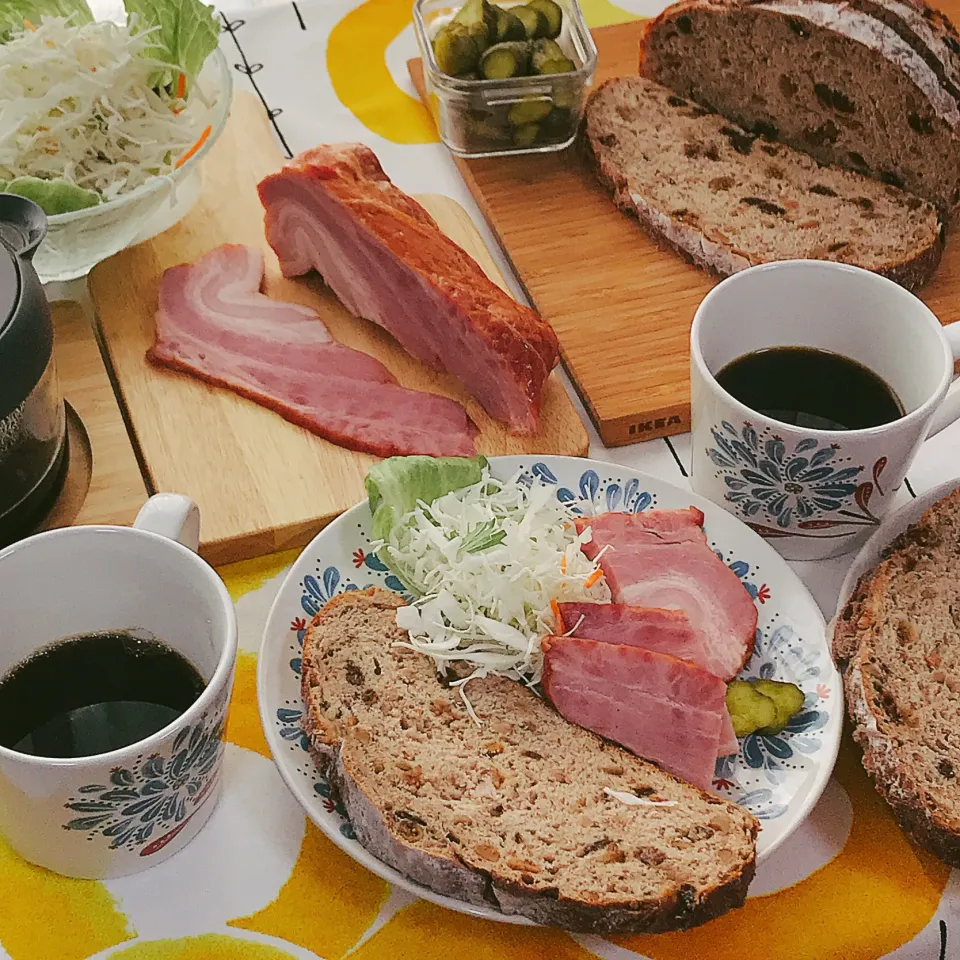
(505, 78)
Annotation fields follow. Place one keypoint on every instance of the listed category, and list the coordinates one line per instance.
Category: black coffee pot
(33, 439)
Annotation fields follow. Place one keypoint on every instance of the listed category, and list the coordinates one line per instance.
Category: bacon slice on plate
(333, 209)
(661, 708)
(663, 631)
(213, 323)
(661, 559)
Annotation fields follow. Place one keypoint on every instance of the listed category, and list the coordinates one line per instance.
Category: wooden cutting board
(263, 484)
(621, 306)
(103, 482)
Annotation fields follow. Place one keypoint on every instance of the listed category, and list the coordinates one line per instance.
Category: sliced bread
(870, 85)
(513, 813)
(896, 642)
(728, 199)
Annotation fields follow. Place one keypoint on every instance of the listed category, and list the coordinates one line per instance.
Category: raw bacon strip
(661, 558)
(213, 323)
(660, 707)
(663, 631)
(333, 209)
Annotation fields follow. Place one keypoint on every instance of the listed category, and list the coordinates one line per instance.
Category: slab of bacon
(212, 322)
(334, 210)
(661, 708)
(661, 559)
(662, 631)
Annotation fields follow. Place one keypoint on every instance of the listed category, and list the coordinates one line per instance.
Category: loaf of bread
(896, 645)
(728, 199)
(871, 85)
(525, 812)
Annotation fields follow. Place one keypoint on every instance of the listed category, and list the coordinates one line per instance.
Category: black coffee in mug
(94, 693)
(809, 387)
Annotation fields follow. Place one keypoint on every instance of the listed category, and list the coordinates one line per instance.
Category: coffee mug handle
(173, 516)
(949, 410)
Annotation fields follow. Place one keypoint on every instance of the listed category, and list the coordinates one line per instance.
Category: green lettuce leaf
(396, 484)
(187, 32)
(52, 196)
(14, 12)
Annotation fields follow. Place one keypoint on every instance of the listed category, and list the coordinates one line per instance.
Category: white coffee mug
(815, 493)
(116, 813)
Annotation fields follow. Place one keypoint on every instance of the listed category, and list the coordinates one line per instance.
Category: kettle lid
(23, 225)
(26, 328)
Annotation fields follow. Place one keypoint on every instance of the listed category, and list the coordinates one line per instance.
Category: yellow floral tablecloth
(260, 881)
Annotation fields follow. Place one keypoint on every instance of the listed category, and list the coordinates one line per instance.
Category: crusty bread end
(513, 813)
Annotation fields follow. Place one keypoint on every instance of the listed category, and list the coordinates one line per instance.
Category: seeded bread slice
(727, 199)
(896, 642)
(870, 85)
(512, 813)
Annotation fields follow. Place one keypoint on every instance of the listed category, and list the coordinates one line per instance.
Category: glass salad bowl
(77, 241)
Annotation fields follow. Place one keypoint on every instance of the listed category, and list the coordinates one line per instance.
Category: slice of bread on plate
(524, 812)
(896, 642)
(728, 199)
(871, 85)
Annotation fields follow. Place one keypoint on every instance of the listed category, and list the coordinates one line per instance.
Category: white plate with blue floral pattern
(778, 778)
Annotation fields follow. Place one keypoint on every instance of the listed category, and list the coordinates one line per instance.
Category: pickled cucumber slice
(788, 699)
(505, 60)
(563, 65)
(547, 57)
(485, 132)
(566, 96)
(480, 18)
(558, 124)
(750, 710)
(509, 27)
(528, 111)
(554, 14)
(456, 49)
(534, 21)
(526, 135)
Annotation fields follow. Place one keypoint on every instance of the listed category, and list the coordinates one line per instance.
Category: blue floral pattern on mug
(781, 491)
(144, 806)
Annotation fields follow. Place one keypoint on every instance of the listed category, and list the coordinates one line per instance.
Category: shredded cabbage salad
(486, 563)
(95, 109)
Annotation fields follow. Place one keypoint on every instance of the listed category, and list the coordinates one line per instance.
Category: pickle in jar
(528, 111)
(553, 14)
(456, 49)
(505, 60)
(534, 22)
(509, 27)
(557, 125)
(547, 57)
(526, 134)
(480, 18)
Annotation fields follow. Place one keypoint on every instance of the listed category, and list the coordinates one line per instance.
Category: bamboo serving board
(263, 484)
(621, 306)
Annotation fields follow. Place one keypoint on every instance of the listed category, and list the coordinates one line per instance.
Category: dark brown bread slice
(513, 813)
(896, 642)
(861, 85)
(728, 199)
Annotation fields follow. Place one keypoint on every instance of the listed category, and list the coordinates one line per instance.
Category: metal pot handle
(23, 225)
